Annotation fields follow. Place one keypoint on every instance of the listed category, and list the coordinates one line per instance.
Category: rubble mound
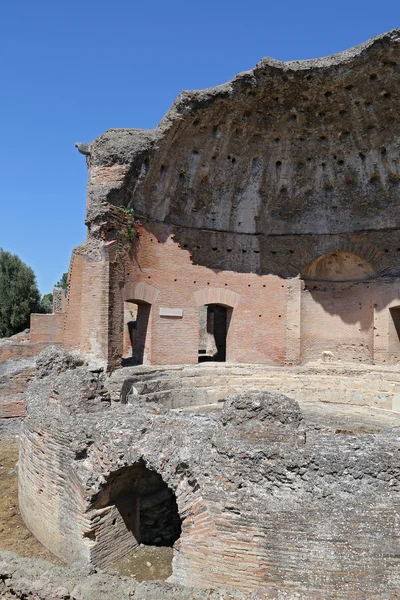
(265, 407)
(56, 360)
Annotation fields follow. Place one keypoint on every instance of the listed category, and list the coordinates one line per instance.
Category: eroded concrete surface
(274, 498)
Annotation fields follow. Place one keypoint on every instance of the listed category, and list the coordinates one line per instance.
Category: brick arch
(216, 296)
(368, 252)
(140, 291)
(198, 526)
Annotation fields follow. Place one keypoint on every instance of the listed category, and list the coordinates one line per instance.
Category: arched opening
(338, 266)
(136, 328)
(134, 507)
(213, 330)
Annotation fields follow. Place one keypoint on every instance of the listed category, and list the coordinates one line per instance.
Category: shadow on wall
(282, 255)
(339, 283)
(145, 506)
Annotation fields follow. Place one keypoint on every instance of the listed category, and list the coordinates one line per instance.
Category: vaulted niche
(338, 266)
(213, 329)
(337, 308)
(134, 507)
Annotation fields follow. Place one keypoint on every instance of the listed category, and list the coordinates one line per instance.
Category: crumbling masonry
(256, 226)
(274, 196)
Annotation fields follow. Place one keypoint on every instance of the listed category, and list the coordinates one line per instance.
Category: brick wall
(72, 328)
(272, 320)
(47, 328)
(15, 351)
(337, 317)
(257, 328)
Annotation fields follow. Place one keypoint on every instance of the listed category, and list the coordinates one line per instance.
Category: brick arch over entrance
(141, 292)
(217, 296)
(198, 531)
(369, 253)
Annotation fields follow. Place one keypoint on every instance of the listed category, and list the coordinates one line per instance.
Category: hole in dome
(373, 76)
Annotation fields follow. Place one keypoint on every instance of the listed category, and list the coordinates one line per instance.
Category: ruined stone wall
(269, 499)
(337, 317)
(47, 328)
(256, 330)
(17, 368)
(251, 184)
(20, 350)
(273, 320)
(48, 453)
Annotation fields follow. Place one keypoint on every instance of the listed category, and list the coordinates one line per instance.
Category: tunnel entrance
(143, 508)
(213, 329)
(136, 326)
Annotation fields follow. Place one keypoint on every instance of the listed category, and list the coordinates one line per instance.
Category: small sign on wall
(171, 312)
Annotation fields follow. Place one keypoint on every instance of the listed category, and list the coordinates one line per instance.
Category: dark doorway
(136, 323)
(145, 505)
(213, 329)
(394, 335)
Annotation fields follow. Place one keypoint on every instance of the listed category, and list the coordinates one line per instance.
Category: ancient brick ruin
(273, 196)
(255, 231)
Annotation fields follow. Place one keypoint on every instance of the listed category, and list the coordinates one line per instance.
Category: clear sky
(72, 69)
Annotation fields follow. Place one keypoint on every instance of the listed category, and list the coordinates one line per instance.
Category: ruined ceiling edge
(180, 106)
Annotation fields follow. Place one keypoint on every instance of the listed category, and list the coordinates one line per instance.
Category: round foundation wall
(268, 496)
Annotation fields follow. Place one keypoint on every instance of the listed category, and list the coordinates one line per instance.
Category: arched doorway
(136, 327)
(135, 506)
(213, 329)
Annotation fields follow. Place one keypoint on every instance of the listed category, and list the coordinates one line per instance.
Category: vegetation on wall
(129, 234)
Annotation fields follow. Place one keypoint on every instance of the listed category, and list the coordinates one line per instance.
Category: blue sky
(72, 69)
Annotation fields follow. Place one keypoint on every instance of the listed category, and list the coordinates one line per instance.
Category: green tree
(46, 303)
(63, 282)
(19, 294)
